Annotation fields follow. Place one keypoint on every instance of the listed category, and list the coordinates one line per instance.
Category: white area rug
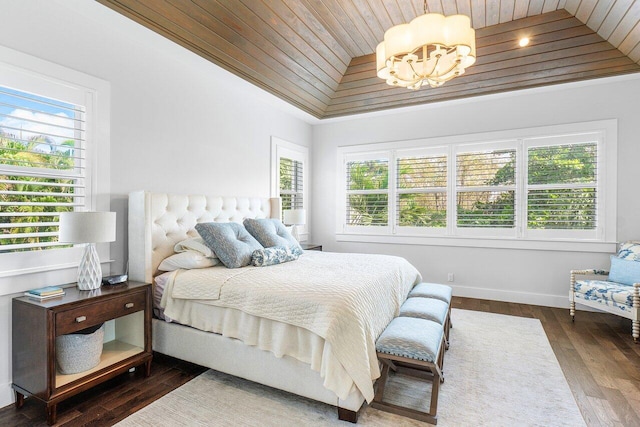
(499, 371)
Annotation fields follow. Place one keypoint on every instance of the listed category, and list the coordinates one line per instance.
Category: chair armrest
(590, 272)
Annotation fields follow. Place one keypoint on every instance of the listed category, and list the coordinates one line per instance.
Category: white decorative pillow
(194, 244)
(187, 260)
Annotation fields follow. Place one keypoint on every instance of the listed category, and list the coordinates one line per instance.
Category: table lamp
(89, 228)
(295, 217)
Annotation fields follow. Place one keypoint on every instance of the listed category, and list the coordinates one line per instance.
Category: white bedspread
(347, 299)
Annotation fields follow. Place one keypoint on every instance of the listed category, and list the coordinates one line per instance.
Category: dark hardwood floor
(596, 353)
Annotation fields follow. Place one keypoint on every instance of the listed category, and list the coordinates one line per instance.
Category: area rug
(499, 371)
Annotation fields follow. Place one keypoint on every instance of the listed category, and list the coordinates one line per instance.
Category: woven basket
(80, 351)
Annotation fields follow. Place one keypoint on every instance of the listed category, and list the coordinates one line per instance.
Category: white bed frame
(157, 221)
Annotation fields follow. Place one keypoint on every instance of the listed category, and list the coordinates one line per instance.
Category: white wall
(178, 123)
(537, 277)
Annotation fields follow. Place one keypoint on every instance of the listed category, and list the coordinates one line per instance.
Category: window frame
(363, 157)
(289, 150)
(420, 152)
(29, 269)
(520, 238)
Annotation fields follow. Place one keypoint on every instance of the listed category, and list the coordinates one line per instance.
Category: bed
(325, 362)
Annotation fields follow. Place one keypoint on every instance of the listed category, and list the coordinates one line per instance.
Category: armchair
(616, 291)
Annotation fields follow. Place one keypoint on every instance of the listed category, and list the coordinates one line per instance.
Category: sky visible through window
(25, 116)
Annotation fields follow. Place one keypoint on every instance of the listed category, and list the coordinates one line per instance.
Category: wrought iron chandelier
(430, 49)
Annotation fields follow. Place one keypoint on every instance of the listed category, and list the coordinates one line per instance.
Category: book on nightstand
(46, 292)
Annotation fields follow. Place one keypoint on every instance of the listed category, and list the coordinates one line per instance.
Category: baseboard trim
(6, 395)
(546, 300)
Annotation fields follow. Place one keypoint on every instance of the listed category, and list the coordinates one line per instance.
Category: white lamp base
(89, 270)
(294, 232)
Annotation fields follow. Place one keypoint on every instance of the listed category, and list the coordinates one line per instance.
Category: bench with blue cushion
(431, 309)
(432, 290)
(416, 345)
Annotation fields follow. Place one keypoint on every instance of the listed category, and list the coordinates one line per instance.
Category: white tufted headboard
(157, 221)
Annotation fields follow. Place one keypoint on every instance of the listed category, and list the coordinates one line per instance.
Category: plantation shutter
(421, 191)
(291, 183)
(562, 186)
(485, 189)
(367, 192)
(42, 168)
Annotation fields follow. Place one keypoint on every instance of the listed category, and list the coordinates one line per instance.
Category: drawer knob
(128, 305)
(81, 319)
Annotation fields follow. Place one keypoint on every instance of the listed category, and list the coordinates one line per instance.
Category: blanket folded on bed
(347, 299)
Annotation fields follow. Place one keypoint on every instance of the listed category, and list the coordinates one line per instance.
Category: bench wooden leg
(419, 370)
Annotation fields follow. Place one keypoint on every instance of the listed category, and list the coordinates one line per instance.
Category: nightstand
(35, 325)
(310, 247)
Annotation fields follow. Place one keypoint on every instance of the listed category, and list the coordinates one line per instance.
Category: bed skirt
(248, 362)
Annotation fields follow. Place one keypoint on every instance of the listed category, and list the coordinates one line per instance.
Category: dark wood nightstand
(36, 324)
(310, 247)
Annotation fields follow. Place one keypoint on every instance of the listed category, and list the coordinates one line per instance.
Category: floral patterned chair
(617, 291)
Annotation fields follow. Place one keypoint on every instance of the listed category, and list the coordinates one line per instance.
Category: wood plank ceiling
(319, 54)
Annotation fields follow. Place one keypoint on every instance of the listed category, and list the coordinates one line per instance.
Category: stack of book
(45, 293)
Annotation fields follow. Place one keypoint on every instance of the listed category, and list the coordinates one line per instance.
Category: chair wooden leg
(572, 298)
(635, 330)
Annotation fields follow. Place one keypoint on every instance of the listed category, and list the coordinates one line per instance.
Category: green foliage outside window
(422, 208)
(369, 209)
(559, 208)
(40, 195)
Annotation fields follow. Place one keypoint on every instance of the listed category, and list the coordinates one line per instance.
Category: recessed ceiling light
(523, 41)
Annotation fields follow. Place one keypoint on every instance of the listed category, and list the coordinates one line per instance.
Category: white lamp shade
(87, 227)
(295, 216)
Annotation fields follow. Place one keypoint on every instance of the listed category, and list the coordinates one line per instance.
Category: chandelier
(430, 49)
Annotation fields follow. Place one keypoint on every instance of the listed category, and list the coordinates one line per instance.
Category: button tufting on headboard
(157, 221)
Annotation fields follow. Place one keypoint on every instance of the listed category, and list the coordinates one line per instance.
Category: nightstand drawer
(79, 318)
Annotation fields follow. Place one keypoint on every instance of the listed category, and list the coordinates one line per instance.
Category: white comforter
(347, 299)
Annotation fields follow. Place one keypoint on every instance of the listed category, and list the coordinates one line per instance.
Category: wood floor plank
(596, 353)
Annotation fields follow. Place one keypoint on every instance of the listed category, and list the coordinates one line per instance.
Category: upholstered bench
(416, 345)
(436, 291)
(429, 309)
(432, 290)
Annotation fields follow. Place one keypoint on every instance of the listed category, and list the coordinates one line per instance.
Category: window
(486, 188)
(42, 166)
(562, 187)
(289, 175)
(544, 184)
(367, 192)
(291, 183)
(54, 126)
(421, 189)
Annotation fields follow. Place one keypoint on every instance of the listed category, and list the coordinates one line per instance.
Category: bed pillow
(230, 241)
(624, 271)
(274, 255)
(194, 244)
(630, 251)
(270, 232)
(187, 260)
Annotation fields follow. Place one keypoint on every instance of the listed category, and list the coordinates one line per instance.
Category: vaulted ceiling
(319, 54)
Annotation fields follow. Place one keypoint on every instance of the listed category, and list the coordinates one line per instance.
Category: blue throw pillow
(274, 255)
(624, 271)
(270, 232)
(230, 241)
